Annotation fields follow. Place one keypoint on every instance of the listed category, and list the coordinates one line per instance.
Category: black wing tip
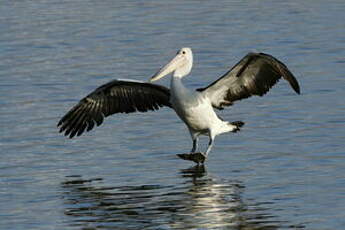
(287, 75)
(297, 89)
(72, 131)
(285, 72)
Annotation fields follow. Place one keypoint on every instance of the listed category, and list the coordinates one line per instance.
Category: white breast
(193, 108)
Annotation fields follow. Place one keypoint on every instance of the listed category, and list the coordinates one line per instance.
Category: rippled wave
(200, 202)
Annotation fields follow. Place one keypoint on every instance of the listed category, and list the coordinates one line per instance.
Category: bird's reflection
(198, 202)
(212, 204)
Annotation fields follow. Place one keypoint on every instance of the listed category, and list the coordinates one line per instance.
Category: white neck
(176, 85)
(175, 80)
(182, 71)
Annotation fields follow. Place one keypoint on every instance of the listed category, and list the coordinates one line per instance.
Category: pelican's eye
(183, 52)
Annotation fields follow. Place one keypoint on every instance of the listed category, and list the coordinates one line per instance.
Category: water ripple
(199, 202)
(284, 170)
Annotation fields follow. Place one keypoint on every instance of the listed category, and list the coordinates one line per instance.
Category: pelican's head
(180, 65)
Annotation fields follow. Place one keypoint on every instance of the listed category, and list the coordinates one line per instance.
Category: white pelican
(254, 74)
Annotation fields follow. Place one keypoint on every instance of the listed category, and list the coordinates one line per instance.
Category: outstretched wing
(255, 74)
(118, 96)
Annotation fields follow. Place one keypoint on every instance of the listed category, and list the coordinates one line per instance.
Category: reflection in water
(200, 202)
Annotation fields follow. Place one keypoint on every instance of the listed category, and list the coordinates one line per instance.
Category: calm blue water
(284, 170)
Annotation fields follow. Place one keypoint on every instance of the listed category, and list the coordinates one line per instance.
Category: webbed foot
(238, 125)
(197, 157)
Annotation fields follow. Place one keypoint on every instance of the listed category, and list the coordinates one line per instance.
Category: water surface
(284, 170)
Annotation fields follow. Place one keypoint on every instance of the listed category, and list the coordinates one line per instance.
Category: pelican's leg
(210, 145)
(195, 145)
(195, 138)
(193, 156)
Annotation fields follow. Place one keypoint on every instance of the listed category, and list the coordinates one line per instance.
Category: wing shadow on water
(199, 202)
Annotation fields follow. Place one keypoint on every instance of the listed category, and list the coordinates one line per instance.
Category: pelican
(254, 74)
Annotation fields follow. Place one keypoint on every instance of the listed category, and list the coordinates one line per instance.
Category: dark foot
(196, 157)
(238, 125)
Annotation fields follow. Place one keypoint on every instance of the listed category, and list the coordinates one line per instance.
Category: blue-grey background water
(284, 170)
